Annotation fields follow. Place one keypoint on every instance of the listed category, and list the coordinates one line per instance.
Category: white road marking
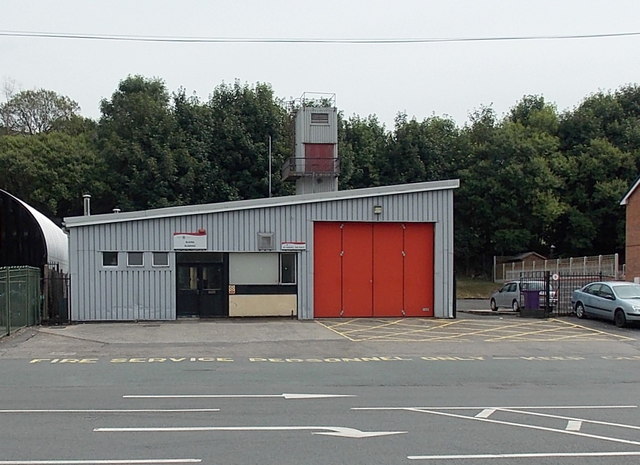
(574, 425)
(486, 413)
(520, 456)
(236, 396)
(174, 410)
(541, 428)
(584, 420)
(339, 431)
(533, 407)
(97, 462)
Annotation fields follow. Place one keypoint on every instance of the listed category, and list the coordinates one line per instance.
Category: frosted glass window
(254, 268)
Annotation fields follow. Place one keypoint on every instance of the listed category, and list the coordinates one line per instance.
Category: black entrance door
(202, 285)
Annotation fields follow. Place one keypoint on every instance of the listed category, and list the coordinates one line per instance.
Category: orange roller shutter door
(387, 269)
(373, 269)
(327, 287)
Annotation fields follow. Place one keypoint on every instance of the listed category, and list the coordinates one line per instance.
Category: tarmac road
(324, 392)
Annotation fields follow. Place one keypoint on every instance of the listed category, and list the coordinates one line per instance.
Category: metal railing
(303, 166)
(19, 298)
(557, 289)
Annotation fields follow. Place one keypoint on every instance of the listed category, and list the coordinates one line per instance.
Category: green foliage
(363, 144)
(50, 171)
(137, 139)
(242, 120)
(36, 111)
(528, 180)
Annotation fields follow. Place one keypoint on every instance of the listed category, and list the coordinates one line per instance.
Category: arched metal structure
(27, 237)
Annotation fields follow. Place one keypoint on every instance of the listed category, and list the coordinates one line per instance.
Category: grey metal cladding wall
(118, 293)
(127, 293)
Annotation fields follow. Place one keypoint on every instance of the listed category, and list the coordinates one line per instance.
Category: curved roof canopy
(27, 237)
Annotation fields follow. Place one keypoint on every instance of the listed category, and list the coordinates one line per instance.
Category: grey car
(618, 301)
(508, 296)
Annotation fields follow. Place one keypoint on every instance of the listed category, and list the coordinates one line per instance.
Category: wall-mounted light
(377, 209)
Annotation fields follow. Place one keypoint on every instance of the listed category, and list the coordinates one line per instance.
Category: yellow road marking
(335, 331)
(575, 325)
(423, 330)
(540, 331)
(417, 330)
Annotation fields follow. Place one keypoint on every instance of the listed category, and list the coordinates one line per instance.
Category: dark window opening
(109, 258)
(288, 268)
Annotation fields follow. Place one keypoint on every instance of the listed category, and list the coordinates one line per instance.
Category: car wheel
(619, 319)
(493, 305)
(580, 313)
(515, 306)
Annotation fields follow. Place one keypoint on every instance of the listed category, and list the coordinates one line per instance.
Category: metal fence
(19, 298)
(55, 295)
(556, 289)
(606, 265)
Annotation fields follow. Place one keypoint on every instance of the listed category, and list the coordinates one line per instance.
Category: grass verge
(467, 288)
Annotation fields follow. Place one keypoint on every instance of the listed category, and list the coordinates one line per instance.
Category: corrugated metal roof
(56, 240)
(76, 221)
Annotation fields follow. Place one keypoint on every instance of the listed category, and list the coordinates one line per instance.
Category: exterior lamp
(377, 209)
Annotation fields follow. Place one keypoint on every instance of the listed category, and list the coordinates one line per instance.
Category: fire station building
(375, 252)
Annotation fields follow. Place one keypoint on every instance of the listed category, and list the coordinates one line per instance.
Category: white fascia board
(625, 199)
(76, 221)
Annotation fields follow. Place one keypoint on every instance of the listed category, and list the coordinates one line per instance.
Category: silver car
(508, 296)
(618, 301)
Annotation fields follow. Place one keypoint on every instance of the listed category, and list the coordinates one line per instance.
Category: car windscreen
(629, 291)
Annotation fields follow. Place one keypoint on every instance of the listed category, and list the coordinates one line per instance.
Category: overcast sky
(420, 79)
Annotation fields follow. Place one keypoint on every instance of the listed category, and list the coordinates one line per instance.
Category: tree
(508, 201)
(595, 178)
(51, 171)
(242, 120)
(36, 111)
(363, 142)
(138, 139)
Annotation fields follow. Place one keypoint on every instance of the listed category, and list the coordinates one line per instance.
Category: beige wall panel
(263, 305)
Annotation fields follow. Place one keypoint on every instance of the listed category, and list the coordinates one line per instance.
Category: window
(160, 258)
(109, 258)
(287, 268)
(135, 259)
(319, 118)
(253, 268)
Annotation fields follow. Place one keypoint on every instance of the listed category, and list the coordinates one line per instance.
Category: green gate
(19, 298)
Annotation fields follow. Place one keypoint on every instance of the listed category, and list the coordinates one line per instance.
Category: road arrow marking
(338, 431)
(236, 396)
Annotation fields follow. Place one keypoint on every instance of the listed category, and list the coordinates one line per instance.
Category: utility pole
(269, 166)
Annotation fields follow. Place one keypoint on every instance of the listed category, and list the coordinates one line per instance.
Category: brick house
(632, 248)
